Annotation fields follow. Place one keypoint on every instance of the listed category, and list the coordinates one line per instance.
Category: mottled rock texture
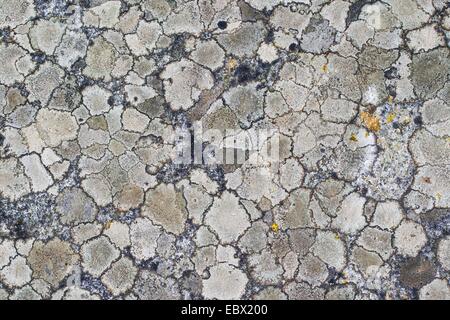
(97, 97)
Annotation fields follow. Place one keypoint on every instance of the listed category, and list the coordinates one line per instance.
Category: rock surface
(239, 149)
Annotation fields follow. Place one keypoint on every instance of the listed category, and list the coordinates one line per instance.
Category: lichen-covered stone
(97, 255)
(166, 206)
(225, 282)
(409, 238)
(120, 277)
(238, 149)
(52, 261)
(75, 206)
(227, 218)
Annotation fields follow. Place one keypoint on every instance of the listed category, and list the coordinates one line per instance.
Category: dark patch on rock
(206, 35)
(78, 66)
(355, 10)
(222, 24)
(363, 191)
(85, 3)
(216, 173)
(151, 264)
(250, 71)
(172, 173)
(391, 73)
(416, 272)
(94, 285)
(5, 35)
(52, 8)
(191, 282)
(418, 121)
(178, 48)
(153, 107)
(83, 82)
(244, 73)
(391, 91)
(184, 244)
(436, 222)
(248, 13)
(179, 119)
(39, 57)
(435, 216)
(429, 72)
(270, 36)
(30, 216)
(91, 33)
(111, 101)
(333, 276)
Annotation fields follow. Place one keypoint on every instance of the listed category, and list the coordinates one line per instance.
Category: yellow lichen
(353, 138)
(345, 280)
(232, 64)
(390, 99)
(391, 117)
(325, 68)
(371, 121)
(108, 225)
(275, 227)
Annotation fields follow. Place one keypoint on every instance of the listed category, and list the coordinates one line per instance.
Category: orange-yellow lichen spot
(275, 227)
(353, 137)
(232, 64)
(108, 225)
(344, 278)
(390, 117)
(371, 121)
